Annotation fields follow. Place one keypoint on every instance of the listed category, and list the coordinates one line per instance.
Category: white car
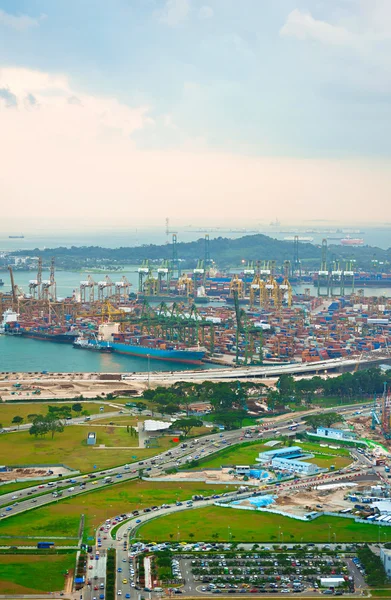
(119, 593)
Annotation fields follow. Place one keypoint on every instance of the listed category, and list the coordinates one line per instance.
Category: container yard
(259, 321)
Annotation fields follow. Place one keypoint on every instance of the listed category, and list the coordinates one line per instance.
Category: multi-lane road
(40, 495)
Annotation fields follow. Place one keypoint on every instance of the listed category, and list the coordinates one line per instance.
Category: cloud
(303, 26)
(206, 12)
(174, 12)
(19, 22)
(80, 163)
(8, 97)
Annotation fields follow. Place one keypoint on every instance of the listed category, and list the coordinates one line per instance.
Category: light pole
(149, 370)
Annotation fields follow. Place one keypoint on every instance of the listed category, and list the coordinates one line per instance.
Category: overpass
(336, 365)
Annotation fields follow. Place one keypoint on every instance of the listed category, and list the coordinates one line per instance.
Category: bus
(45, 544)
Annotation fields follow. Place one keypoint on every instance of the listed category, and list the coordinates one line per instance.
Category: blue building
(289, 453)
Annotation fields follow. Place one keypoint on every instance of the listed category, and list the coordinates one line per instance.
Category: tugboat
(93, 344)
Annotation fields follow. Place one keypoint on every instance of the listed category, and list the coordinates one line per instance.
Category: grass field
(246, 454)
(23, 541)
(63, 517)
(14, 487)
(326, 461)
(250, 526)
(29, 574)
(70, 448)
(8, 410)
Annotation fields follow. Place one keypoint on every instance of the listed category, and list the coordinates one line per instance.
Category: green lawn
(70, 448)
(8, 410)
(24, 574)
(252, 526)
(14, 487)
(327, 461)
(25, 541)
(246, 454)
(63, 517)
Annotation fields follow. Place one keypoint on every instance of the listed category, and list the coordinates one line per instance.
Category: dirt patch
(68, 584)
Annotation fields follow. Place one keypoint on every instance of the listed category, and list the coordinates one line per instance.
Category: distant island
(224, 251)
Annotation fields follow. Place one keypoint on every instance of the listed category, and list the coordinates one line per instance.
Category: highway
(255, 372)
(20, 501)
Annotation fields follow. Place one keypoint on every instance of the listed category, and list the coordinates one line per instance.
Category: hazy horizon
(209, 112)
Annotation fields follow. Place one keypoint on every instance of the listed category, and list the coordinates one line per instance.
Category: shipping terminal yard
(248, 318)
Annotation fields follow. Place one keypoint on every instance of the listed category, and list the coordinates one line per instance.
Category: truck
(45, 544)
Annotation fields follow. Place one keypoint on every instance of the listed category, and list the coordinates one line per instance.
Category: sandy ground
(33, 473)
(63, 385)
(212, 476)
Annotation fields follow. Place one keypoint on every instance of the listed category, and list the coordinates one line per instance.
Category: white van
(71, 489)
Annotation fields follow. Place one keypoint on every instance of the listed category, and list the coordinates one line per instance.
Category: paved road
(262, 371)
(160, 462)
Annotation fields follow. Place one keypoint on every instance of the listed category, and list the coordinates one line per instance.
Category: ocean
(379, 236)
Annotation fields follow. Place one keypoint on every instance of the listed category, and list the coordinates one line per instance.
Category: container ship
(48, 335)
(348, 241)
(157, 350)
(146, 346)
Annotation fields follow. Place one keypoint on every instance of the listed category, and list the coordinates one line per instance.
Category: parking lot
(264, 572)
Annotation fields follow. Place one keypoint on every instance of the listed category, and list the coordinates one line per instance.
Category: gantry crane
(35, 285)
(87, 290)
(105, 289)
(236, 285)
(185, 285)
(323, 273)
(122, 289)
(163, 274)
(143, 272)
(49, 285)
(285, 288)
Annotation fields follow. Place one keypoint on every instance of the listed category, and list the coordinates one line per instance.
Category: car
(124, 581)
(119, 569)
(119, 593)
(138, 520)
(127, 595)
(101, 596)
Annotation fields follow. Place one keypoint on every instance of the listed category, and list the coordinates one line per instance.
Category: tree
(45, 424)
(186, 425)
(17, 420)
(77, 407)
(54, 425)
(286, 386)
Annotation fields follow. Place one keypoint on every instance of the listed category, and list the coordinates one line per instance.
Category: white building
(331, 581)
(294, 466)
(383, 506)
(335, 434)
(385, 557)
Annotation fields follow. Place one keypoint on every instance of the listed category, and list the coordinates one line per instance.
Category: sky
(217, 112)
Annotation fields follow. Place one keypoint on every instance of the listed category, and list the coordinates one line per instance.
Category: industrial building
(385, 557)
(335, 434)
(91, 438)
(383, 506)
(288, 453)
(298, 467)
(286, 459)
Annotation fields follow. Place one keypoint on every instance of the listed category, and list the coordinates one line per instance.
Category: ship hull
(178, 356)
(47, 337)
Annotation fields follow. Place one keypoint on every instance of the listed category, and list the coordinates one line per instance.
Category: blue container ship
(143, 347)
(191, 356)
